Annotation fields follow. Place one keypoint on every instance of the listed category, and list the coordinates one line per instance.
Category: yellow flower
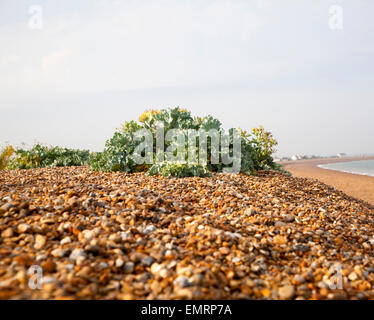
(147, 114)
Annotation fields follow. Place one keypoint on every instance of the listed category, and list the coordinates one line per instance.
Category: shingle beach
(132, 236)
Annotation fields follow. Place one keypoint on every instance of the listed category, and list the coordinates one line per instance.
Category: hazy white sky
(96, 64)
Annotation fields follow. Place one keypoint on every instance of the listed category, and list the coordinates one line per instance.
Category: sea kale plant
(135, 147)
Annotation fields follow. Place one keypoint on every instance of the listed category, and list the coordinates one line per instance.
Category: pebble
(299, 279)
(289, 218)
(77, 253)
(115, 237)
(278, 239)
(352, 276)
(236, 260)
(69, 267)
(23, 228)
(66, 240)
(119, 262)
(92, 248)
(182, 282)
(80, 260)
(286, 292)
(224, 250)
(125, 235)
(103, 265)
(88, 234)
(129, 267)
(280, 224)
(40, 241)
(147, 261)
(59, 253)
(155, 268)
(41, 257)
(7, 233)
(149, 229)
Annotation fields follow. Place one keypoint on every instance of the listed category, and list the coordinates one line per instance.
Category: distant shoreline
(356, 185)
(324, 160)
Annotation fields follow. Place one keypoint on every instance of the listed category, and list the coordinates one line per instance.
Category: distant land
(311, 157)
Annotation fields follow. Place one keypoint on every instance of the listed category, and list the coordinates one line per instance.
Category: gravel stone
(76, 253)
(286, 292)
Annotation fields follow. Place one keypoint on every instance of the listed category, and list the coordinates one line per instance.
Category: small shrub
(40, 156)
(263, 144)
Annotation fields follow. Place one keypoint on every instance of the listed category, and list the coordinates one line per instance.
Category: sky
(72, 71)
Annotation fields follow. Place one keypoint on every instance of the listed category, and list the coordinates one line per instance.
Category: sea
(363, 167)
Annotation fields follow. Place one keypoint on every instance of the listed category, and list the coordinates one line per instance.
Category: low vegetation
(41, 156)
(257, 148)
